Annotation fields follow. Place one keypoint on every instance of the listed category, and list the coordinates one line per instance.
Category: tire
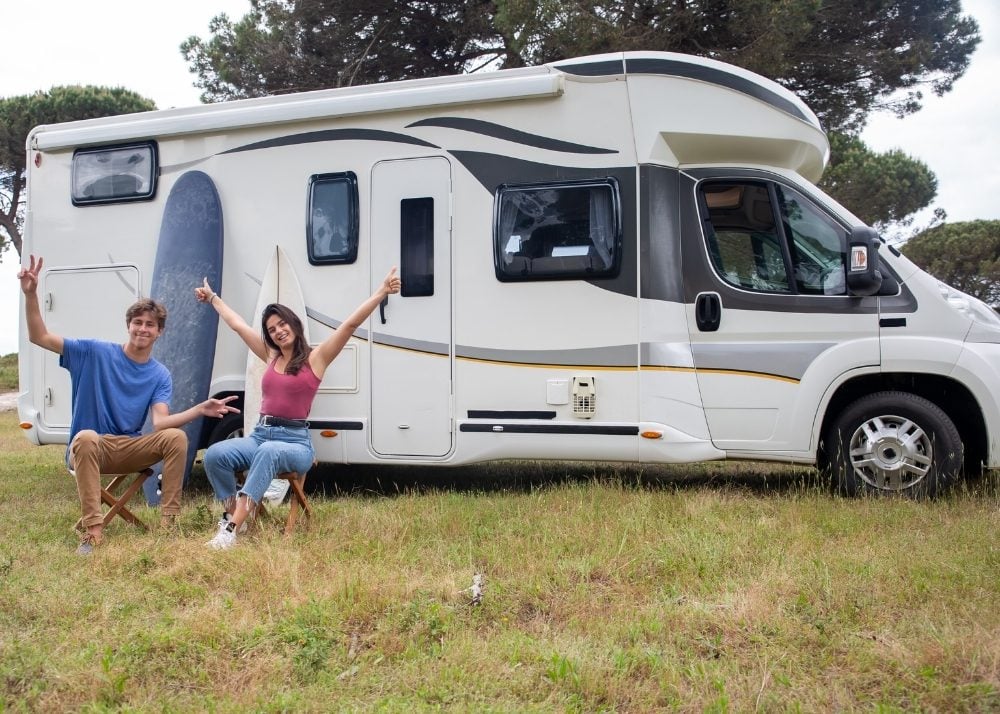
(893, 443)
(229, 427)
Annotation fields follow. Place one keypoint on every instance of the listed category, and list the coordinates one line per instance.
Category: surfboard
(279, 284)
(189, 249)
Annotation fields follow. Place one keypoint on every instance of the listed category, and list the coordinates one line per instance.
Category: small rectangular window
(114, 174)
(557, 231)
(332, 222)
(416, 237)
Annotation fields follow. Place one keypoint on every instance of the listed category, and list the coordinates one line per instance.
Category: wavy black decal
(593, 69)
(498, 131)
(310, 137)
(689, 70)
(722, 78)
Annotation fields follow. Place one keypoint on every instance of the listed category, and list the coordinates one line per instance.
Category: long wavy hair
(300, 348)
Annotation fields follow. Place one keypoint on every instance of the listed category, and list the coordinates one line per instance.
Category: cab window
(766, 237)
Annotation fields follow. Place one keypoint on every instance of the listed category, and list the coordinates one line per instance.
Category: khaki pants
(93, 454)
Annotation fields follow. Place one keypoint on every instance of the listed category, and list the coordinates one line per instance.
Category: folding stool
(119, 504)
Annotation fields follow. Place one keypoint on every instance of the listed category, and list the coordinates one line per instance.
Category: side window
(769, 238)
(818, 245)
(332, 226)
(557, 231)
(114, 174)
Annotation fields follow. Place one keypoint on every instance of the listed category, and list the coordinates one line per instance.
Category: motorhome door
(412, 350)
(80, 303)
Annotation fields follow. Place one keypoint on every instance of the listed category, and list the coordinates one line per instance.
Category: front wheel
(893, 442)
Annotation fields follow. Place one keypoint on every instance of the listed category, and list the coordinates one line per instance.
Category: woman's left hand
(204, 292)
(392, 283)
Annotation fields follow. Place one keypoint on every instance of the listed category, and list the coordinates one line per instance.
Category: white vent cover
(584, 397)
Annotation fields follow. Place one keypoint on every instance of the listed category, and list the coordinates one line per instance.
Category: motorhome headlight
(968, 306)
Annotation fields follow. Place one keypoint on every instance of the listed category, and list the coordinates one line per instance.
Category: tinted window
(416, 228)
(332, 230)
(557, 231)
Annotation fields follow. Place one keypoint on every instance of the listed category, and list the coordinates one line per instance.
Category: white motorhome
(616, 258)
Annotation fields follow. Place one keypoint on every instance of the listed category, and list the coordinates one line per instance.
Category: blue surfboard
(189, 249)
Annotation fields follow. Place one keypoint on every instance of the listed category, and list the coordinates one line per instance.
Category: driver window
(818, 245)
(743, 240)
(767, 237)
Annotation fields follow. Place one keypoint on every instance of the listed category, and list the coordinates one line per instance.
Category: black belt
(268, 420)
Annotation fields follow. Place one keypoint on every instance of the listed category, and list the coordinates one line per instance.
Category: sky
(113, 43)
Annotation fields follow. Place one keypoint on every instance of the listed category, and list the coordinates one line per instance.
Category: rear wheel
(893, 442)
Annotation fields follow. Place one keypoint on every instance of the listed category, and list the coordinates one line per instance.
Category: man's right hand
(29, 276)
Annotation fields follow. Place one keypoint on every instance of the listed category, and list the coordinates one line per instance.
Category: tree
(19, 115)
(845, 58)
(964, 255)
(284, 45)
(880, 188)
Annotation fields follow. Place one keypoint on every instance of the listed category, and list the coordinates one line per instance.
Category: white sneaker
(223, 540)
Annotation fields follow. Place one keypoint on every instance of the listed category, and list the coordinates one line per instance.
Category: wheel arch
(950, 395)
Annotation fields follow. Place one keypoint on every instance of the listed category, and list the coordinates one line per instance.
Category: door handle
(381, 308)
(708, 312)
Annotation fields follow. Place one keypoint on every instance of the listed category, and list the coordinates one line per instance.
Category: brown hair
(300, 348)
(147, 305)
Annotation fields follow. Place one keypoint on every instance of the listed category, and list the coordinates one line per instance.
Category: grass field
(711, 588)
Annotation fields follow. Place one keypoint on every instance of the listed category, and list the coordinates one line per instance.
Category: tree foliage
(283, 46)
(845, 58)
(20, 114)
(964, 255)
(881, 188)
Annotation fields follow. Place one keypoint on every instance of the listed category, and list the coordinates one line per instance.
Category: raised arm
(38, 333)
(321, 357)
(255, 342)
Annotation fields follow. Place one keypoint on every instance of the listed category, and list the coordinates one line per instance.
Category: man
(114, 388)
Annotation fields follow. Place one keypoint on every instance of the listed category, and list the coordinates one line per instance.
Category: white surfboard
(279, 284)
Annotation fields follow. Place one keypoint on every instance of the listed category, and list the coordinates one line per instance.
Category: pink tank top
(288, 396)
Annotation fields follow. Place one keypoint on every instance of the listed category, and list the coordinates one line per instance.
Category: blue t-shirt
(111, 393)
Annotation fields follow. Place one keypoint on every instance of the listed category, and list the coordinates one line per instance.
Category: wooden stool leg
(119, 505)
(298, 502)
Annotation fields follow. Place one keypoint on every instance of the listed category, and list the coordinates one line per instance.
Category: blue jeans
(267, 452)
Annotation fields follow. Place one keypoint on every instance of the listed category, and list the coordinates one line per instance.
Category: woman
(280, 442)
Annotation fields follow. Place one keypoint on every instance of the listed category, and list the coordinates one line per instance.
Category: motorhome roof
(503, 85)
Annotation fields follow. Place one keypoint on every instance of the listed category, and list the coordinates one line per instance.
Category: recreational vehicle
(616, 258)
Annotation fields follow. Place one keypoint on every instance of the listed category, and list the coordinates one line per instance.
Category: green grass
(707, 588)
(8, 373)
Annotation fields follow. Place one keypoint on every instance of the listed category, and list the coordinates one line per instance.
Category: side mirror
(863, 276)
